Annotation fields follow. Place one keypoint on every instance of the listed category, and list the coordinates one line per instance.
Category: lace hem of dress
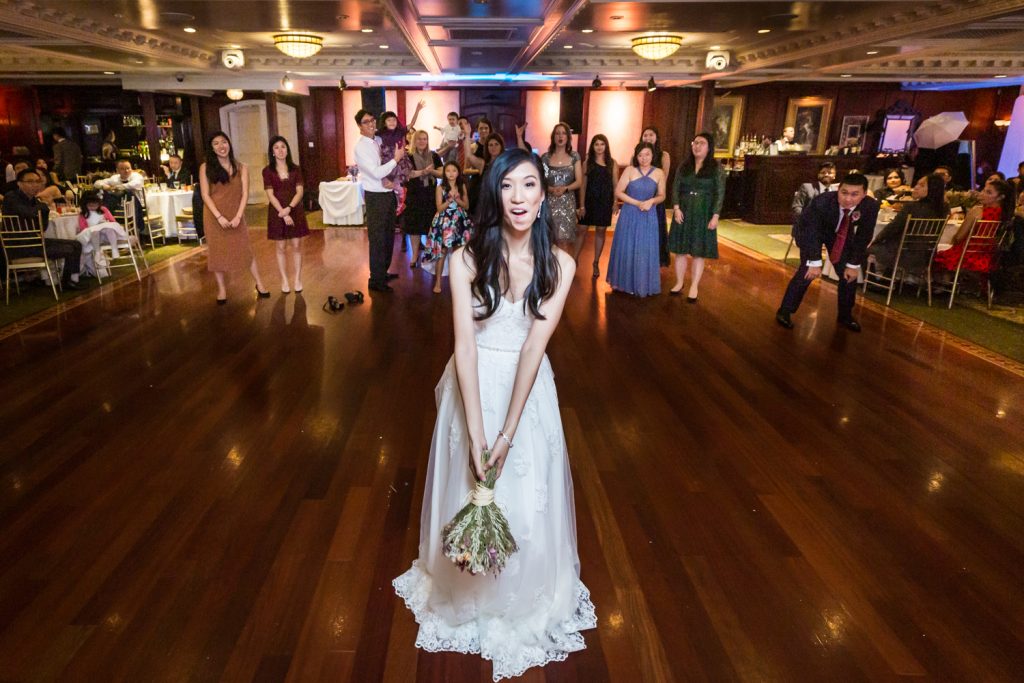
(510, 658)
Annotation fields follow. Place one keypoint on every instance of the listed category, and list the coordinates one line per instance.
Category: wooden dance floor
(198, 493)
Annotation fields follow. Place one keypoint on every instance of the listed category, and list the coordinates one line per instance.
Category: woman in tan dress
(224, 183)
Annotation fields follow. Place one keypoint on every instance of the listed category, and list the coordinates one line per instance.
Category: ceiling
(143, 44)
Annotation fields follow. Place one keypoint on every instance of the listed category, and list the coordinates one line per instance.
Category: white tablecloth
(168, 203)
(342, 202)
(62, 227)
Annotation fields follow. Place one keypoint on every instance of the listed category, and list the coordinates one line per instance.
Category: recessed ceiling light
(764, 30)
(715, 47)
(138, 61)
(587, 30)
(1000, 76)
(188, 29)
(366, 30)
(845, 75)
(567, 47)
(872, 52)
(108, 73)
(383, 47)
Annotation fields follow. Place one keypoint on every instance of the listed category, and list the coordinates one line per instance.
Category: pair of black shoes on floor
(385, 287)
(782, 318)
(333, 305)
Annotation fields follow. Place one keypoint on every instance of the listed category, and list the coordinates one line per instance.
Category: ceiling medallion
(298, 45)
(657, 46)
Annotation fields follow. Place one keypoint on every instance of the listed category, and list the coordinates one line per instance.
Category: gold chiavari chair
(985, 240)
(24, 249)
(919, 239)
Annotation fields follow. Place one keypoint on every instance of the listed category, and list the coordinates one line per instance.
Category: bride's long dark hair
(487, 246)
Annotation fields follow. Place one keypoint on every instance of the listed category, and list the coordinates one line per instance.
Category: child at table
(97, 225)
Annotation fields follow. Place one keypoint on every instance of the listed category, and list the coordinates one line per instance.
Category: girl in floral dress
(451, 227)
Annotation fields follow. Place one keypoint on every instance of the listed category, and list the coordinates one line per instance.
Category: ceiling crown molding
(872, 30)
(27, 16)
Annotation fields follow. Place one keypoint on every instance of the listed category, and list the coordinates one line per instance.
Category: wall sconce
(1003, 124)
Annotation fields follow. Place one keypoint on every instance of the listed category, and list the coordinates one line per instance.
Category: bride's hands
(499, 451)
(476, 459)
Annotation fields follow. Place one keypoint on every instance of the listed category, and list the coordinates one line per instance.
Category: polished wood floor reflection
(198, 493)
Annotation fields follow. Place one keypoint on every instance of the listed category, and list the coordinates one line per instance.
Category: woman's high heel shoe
(262, 295)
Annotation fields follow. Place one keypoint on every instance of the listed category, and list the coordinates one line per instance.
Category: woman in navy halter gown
(633, 265)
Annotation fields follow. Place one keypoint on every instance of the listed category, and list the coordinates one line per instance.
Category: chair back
(21, 237)
(984, 240)
(922, 235)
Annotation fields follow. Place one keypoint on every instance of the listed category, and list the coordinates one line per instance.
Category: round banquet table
(168, 204)
(342, 202)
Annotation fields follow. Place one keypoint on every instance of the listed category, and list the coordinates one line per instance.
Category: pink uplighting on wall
(619, 116)
(351, 102)
(542, 113)
(435, 112)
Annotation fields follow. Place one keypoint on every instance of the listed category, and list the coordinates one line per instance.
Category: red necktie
(836, 252)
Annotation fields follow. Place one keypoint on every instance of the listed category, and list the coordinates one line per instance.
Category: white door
(246, 125)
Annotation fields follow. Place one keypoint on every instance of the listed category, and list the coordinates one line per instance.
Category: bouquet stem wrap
(478, 538)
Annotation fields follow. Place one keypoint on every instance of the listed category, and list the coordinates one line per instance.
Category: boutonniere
(855, 216)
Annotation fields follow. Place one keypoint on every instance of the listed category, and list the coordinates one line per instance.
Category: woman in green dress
(697, 195)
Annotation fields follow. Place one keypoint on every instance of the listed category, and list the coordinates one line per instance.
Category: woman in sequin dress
(564, 174)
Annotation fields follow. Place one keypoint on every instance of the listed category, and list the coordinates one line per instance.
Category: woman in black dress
(490, 150)
(599, 180)
(663, 161)
(419, 187)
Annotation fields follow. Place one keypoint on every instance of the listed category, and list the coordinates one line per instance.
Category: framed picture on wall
(810, 117)
(853, 129)
(726, 119)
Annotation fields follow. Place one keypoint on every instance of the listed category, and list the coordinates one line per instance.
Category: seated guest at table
(67, 156)
(947, 177)
(808, 191)
(174, 175)
(895, 186)
(55, 190)
(12, 184)
(1017, 181)
(286, 221)
(844, 222)
(97, 225)
(929, 202)
(996, 204)
(24, 203)
(125, 182)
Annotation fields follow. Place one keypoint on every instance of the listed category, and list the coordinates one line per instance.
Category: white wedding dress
(533, 612)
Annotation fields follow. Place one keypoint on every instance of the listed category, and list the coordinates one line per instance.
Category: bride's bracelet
(505, 437)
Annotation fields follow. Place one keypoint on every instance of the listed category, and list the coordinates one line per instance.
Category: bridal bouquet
(478, 538)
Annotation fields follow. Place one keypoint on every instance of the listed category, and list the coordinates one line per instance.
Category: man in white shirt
(381, 204)
(116, 188)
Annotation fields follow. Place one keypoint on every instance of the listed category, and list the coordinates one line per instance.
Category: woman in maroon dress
(286, 221)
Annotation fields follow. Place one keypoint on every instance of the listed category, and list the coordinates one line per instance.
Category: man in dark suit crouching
(844, 222)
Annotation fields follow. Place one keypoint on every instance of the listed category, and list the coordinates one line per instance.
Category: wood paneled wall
(765, 108)
(19, 120)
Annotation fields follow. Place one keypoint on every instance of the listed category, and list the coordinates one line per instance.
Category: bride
(509, 286)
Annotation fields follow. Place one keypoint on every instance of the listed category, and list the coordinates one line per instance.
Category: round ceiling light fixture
(298, 45)
(234, 94)
(657, 46)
